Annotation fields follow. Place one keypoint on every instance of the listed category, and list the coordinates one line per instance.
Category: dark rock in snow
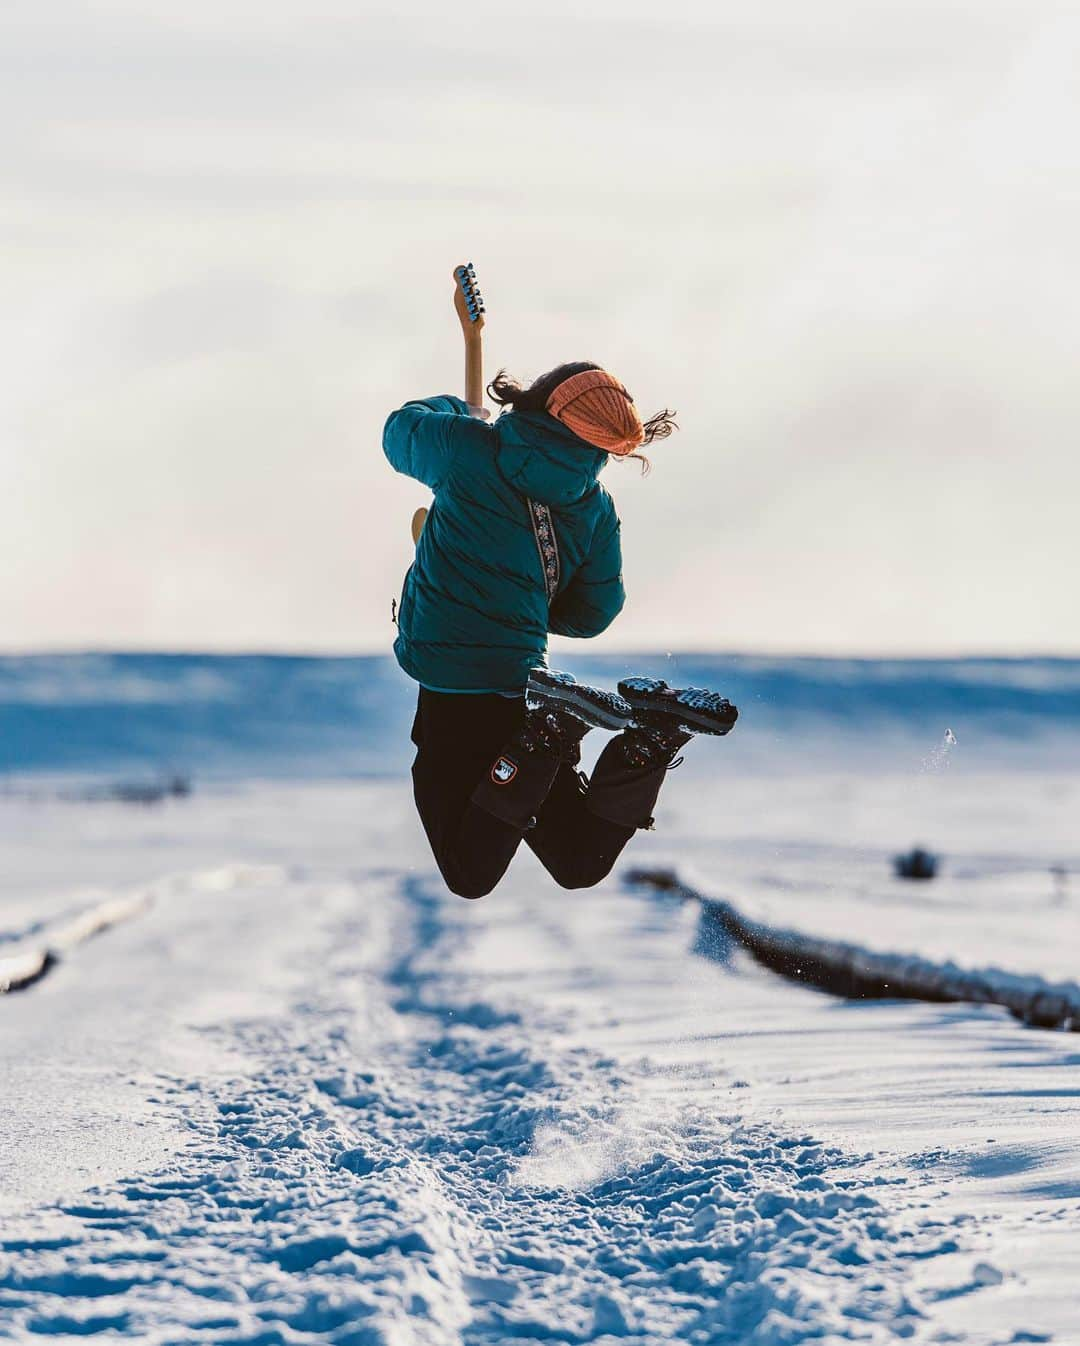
(916, 864)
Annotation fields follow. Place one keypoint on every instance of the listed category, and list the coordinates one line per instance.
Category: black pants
(475, 822)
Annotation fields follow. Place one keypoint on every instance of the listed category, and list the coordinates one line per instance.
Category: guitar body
(469, 306)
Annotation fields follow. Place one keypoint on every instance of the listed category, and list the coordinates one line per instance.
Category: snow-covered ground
(298, 1093)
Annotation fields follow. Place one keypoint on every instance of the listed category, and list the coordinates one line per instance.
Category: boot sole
(582, 701)
(691, 721)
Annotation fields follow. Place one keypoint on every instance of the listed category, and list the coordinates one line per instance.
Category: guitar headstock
(468, 300)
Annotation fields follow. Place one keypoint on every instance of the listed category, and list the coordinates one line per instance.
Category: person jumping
(521, 541)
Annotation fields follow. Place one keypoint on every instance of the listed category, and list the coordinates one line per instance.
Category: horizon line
(269, 652)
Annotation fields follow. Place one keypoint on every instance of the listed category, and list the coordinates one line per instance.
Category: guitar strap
(547, 544)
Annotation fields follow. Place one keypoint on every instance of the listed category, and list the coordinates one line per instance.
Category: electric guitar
(469, 306)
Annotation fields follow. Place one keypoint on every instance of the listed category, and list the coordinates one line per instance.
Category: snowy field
(298, 1093)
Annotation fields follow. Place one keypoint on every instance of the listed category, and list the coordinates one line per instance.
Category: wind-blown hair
(506, 391)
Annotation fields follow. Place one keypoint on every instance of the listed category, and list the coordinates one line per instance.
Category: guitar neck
(474, 369)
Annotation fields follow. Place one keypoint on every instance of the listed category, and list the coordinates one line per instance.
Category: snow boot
(689, 710)
(632, 767)
(560, 712)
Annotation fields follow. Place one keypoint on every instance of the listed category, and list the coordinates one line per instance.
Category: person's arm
(595, 595)
(421, 438)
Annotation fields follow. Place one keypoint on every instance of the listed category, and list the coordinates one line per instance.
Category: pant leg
(622, 793)
(475, 796)
(580, 832)
(576, 847)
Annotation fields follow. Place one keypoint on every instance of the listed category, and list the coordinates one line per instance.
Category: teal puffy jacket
(475, 611)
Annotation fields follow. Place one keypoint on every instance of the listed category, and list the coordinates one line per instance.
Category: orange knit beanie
(599, 410)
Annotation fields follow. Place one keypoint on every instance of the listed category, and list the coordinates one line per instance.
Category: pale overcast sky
(839, 238)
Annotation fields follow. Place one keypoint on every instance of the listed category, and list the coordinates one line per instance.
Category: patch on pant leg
(504, 771)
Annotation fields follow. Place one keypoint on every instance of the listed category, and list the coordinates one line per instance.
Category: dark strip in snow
(861, 974)
(24, 967)
(22, 970)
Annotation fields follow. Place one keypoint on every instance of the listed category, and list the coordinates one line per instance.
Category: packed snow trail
(399, 1160)
(378, 1114)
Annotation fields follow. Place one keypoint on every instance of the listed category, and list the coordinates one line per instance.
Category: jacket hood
(543, 459)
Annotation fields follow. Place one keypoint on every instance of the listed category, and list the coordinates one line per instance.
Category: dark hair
(508, 392)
